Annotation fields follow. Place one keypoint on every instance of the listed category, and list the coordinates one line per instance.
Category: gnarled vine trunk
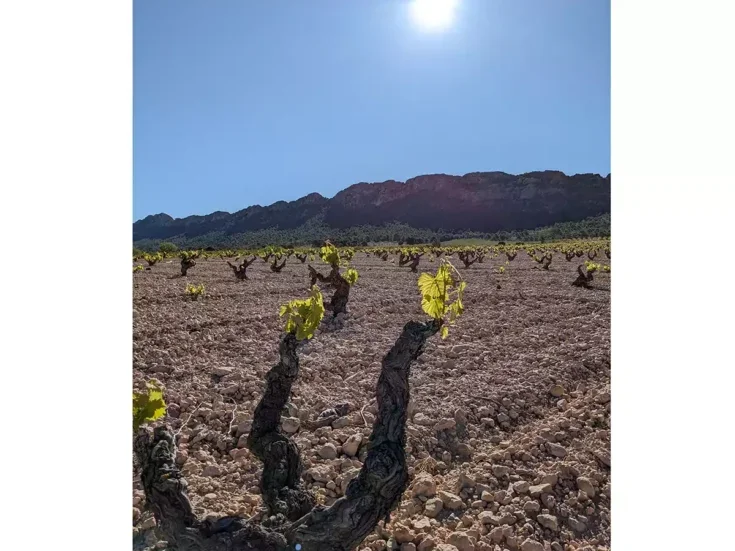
(369, 498)
(467, 259)
(275, 267)
(280, 485)
(583, 279)
(185, 265)
(338, 302)
(546, 261)
(410, 260)
(376, 491)
(241, 270)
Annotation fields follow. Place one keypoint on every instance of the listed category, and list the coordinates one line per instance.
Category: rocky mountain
(479, 201)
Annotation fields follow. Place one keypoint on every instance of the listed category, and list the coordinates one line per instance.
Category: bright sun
(433, 14)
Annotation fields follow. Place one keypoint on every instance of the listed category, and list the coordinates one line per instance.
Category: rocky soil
(509, 424)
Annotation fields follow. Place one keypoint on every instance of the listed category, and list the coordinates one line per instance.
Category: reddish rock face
(479, 201)
(488, 201)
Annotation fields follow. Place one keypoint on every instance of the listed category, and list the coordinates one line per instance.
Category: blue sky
(244, 102)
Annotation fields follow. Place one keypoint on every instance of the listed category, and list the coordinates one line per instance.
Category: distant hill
(477, 203)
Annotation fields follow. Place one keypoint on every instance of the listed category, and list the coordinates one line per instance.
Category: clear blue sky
(244, 102)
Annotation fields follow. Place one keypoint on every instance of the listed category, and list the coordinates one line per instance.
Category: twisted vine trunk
(415, 263)
(338, 302)
(377, 490)
(511, 256)
(569, 256)
(369, 498)
(185, 265)
(280, 485)
(165, 492)
(275, 267)
(241, 270)
(546, 261)
(583, 280)
(411, 260)
(466, 259)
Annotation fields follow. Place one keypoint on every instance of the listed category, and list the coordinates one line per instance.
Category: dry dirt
(509, 428)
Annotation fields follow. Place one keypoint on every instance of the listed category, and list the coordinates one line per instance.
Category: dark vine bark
(583, 279)
(546, 261)
(275, 267)
(280, 485)
(607, 253)
(241, 270)
(165, 492)
(411, 260)
(185, 265)
(301, 257)
(467, 259)
(511, 256)
(569, 256)
(591, 255)
(338, 302)
(376, 491)
(369, 498)
(579, 253)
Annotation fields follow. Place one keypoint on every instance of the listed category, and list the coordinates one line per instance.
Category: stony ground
(509, 428)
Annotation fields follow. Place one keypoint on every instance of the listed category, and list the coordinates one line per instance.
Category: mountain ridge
(476, 201)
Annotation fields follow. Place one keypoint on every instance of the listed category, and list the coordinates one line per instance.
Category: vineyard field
(509, 418)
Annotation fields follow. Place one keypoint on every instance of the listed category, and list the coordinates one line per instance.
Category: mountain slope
(479, 201)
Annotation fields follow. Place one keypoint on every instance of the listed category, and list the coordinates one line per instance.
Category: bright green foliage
(351, 276)
(148, 406)
(437, 293)
(593, 267)
(501, 270)
(189, 255)
(194, 291)
(138, 268)
(167, 248)
(329, 254)
(151, 259)
(304, 316)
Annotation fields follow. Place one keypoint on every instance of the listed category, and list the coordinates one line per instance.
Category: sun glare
(433, 14)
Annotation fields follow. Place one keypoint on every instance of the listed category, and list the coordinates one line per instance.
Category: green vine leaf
(330, 254)
(194, 291)
(441, 295)
(148, 406)
(351, 276)
(304, 316)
